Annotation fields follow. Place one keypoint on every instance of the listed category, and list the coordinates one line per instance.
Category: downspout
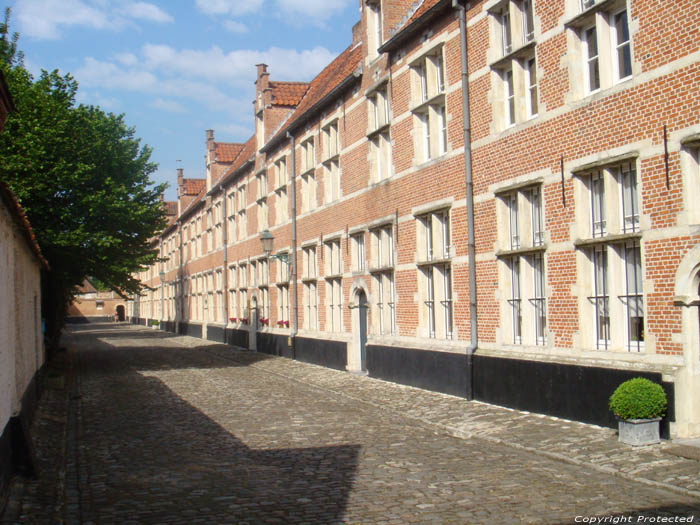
(180, 275)
(468, 177)
(224, 281)
(293, 284)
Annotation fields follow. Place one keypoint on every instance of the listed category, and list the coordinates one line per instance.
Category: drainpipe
(224, 281)
(180, 310)
(468, 176)
(293, 284)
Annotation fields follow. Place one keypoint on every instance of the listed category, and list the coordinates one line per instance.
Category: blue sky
(178, 67)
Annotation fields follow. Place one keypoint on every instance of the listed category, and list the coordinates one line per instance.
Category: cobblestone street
(156, 428)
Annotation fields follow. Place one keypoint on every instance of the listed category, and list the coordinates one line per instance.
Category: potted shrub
(638, 404)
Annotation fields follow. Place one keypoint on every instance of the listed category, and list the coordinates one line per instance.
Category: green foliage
(638, 398)
(82, 178)
(9, 54)
(83, 181)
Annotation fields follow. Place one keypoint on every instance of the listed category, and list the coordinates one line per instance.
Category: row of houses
(495, 200)
(21, 339)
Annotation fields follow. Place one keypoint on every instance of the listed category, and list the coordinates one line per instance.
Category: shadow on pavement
(153, 456)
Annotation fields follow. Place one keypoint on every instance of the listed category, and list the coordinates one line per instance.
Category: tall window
(538, 300)
(528, 20)
(308, 160)
(634, 307)
(611, 244)
(429, 103)
(331, 140)
(623, 54)
(374, 27)
(283, 304)
(590, 41)
(308, 191)
(516, 307)
(506, 39)
(382, 269)
(331, 181)
(435, 285)
(531, 83)
(310, 291)
(281, 172)
(357, 242)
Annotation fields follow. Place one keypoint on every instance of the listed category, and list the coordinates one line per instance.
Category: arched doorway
(687, 378)
(357, 355)
(121, 314)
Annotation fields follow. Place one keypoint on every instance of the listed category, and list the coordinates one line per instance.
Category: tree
(8, 43)
(83, 180)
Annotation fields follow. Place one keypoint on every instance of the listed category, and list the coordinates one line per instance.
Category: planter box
(639, 431)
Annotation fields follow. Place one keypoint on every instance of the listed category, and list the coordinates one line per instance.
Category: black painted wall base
(332, 354)
(437, 371)
(567, 391)
(191, 329)
(216, 334)
(274, 344)
(236, 337)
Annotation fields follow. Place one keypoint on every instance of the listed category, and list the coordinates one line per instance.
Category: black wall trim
(235, 337)
(567, 391)
(168, 326)
(5, 461)
(274, 344)
(332, 354)
(216, 333)
(191, 329)
(437, 371)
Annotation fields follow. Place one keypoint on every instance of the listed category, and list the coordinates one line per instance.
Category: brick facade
(585, 132)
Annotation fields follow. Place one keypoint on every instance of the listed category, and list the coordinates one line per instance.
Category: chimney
(180, 181)
(210, 139)
(262, 87)
(357, 33)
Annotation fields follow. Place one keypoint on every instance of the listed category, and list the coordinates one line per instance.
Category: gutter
(313, 110)
(469, 183)
(293, 284)
(410, 30)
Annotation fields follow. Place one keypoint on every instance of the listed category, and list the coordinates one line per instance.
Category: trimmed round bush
(638, 398)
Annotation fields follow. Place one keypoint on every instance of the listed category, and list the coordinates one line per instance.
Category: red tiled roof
(20, 219)
(246, 153)
(288, 93)
(343, 66)
(193, 186)
(227, 151)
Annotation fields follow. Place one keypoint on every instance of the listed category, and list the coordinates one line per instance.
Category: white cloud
(315, 11)
(43, 18)
(235, 27)
(127, 59)
(229, 7)
(237, 67)
(146, 11)
(168, 105)
(96, 73)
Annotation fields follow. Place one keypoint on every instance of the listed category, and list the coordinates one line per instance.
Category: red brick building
(580, 173)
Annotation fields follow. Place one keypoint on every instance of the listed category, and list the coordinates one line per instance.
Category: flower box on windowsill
(283, 324)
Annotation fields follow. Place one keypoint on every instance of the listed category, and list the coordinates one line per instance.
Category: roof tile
(288, 93)
(227, 151)
(193, 186)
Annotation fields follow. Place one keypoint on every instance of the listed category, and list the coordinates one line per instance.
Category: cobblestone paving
(164, 429)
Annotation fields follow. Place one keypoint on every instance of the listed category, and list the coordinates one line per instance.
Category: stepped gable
(288, 93)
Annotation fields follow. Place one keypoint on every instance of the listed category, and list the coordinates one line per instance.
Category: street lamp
(267, 240)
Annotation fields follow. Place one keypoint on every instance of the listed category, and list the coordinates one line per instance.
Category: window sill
(436, 260)
(521, 251)
(608, 239)
(378, 131)
(423, 106)
(584, 17)
(309, 279)
(525, 50)
(330, 159)
(380, 269)
(310, 171)
(333, 276)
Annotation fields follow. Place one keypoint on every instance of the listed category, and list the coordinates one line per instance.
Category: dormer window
(374, 27)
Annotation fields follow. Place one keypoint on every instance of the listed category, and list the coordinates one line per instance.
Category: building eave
(409, 31)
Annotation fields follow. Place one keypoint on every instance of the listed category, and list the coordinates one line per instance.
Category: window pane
(630, 205)
(591, 43)
(622, 36)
